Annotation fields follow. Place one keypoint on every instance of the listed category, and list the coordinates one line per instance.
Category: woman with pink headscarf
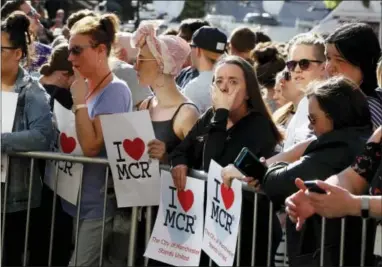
(159, 61)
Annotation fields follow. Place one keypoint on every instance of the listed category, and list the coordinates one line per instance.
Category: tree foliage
(193, 9)
(332, 4)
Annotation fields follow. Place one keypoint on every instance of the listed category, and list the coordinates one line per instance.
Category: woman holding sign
(32, 131)
(238, 118)
(96, 91)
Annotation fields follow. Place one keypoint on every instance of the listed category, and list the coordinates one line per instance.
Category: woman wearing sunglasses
(101, 93)
(32, 131)
(340, 118)
(305, 64)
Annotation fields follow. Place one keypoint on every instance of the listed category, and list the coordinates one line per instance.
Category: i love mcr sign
(222, 217)
(135, 175)
(177, 235)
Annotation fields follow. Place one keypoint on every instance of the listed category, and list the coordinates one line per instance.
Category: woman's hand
(157, 150)
(230, 172)
(298, 206)
(179, 176)
(222, 98)
(338, 202)
(79, 88)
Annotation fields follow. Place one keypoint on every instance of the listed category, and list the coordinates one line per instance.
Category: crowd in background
(310, 108)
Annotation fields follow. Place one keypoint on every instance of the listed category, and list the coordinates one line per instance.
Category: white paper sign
(177, 235)
(8, 111)
(378, 241)
(135, 176)
(222, 217)
(69, 173)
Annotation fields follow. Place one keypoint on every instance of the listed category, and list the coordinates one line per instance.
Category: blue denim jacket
(32, 131)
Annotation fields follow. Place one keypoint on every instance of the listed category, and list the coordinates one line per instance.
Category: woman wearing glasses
(306, 64)
(102, 93)
(32, 131)
(237, 119)
(339, 116)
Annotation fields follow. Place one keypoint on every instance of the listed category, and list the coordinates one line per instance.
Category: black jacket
(328, 155)
(62, 95)
(209, 139)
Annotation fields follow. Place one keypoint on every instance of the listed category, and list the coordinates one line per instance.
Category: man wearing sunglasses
(42, 52)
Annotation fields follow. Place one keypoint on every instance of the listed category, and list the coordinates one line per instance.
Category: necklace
(95, 88)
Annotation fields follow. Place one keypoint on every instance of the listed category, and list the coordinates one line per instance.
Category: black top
(164, 130)
(62, 95)
(210, 139)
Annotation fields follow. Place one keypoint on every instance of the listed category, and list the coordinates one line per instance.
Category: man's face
(33, 16)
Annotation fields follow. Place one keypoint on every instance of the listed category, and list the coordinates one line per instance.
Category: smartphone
(313, 187)
(250, 165)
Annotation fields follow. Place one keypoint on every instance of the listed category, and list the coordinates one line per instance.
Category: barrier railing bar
(342, 242)
(210, 262)
(286, 247)
(25, 256)
(78, 220)
(4, 213)
(149, 213)
(323, 230)
(270, 228)
(254, 236)
(363, 244)
(133, 237)
(238, 252)
(201, 175)
(52, 224)
(104, 216)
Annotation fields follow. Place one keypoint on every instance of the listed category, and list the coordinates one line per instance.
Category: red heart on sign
(227, 195)
(186, 199)
(68, 144)
(134, 148)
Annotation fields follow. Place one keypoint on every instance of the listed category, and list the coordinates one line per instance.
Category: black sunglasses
(302, 63)
(287, 76)
(78, 49)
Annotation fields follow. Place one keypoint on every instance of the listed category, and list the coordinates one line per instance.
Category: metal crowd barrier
(149, 218)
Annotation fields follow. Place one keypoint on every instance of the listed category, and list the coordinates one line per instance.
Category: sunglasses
(302, 63)
(287, 76)
(78, 49)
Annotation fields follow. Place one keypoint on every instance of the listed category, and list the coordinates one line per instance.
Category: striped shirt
(375, 107)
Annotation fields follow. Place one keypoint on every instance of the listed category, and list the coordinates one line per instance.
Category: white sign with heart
(135, 175)
(177, 235)
(222, 217)
(8, 111)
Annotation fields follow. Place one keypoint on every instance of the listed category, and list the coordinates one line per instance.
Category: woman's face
(320, 122)
(338, 65)
(229, 78)
(307, 66)
(84, 55)
(289, 91)
(278, 96)
(10, 57)
(146, 66)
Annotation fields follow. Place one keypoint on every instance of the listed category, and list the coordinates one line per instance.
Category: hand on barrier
(179, 175)
(298, 206)
(157, 150)
(230, 172)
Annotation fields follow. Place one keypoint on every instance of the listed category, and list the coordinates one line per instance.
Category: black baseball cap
(210, 38)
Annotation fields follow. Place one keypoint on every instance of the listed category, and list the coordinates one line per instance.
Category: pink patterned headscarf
(170, 51)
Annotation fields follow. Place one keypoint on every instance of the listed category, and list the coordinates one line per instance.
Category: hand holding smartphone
(313, 187)
(250, 165)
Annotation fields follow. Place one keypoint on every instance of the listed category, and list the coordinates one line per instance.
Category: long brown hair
(255, 100)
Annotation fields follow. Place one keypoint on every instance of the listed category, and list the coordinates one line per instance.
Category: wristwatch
(77, 107)
(365, 206)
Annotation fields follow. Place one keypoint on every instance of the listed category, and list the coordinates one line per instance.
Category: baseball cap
(210, 39)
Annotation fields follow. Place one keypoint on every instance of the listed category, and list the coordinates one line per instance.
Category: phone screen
(250, 165)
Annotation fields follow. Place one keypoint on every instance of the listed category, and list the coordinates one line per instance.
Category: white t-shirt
(298, 128)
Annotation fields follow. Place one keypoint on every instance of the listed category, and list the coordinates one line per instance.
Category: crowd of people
(309, 109)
